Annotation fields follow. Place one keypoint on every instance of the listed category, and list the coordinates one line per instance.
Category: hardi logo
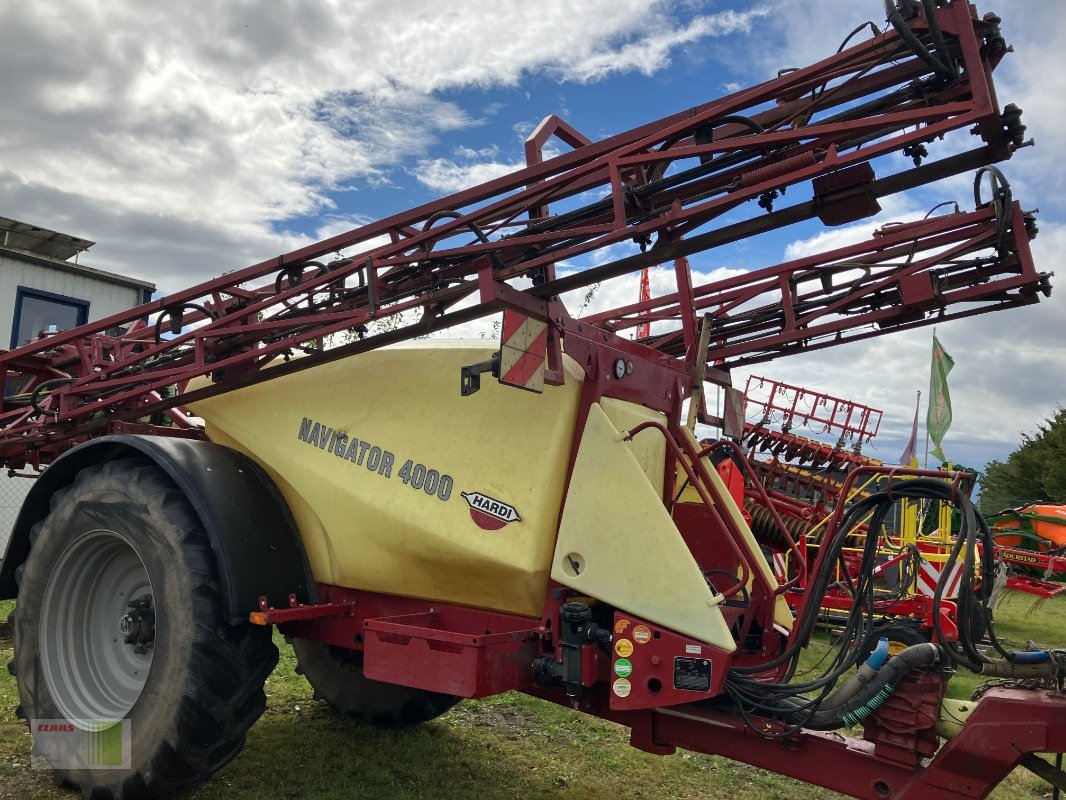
(489, 513)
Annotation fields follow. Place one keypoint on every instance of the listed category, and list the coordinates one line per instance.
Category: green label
(623, 668)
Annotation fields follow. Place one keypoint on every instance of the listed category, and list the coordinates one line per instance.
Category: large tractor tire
(119, 617)
(336, 676)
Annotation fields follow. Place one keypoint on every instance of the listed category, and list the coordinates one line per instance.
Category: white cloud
(651, 53)
(447, 175)
(235, 121)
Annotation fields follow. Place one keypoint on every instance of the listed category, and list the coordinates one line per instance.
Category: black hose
(176, 328)
(497, 262)
(869, 697)
(820, 703)
(895, 18)
(43, 387)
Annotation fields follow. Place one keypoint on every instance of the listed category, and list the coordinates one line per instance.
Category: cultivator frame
(460, 258)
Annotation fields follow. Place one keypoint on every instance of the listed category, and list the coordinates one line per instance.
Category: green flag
(939, 418)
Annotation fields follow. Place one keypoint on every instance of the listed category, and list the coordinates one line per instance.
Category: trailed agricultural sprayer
(1031, 540)
(424, 535)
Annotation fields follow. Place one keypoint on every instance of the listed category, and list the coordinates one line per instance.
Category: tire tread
(223, 694)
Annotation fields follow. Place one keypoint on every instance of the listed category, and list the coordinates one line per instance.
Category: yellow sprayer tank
(400, 485)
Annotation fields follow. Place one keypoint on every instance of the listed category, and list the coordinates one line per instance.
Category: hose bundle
(817, 702)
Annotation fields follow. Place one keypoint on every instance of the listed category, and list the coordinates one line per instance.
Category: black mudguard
(255, 540)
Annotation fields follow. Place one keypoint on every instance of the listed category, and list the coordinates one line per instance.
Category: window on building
(37, 311)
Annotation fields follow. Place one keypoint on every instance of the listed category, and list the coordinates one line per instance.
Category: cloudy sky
(188, 140)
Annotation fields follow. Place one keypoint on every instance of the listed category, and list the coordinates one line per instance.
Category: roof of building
(41, 241)
(26, 242)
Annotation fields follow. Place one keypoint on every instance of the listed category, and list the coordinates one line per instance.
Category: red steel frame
(824, 124)
(825, 495)
(794, 405)
(91, 380)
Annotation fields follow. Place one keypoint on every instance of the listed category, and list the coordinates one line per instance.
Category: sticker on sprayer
(623, 668)
(622, 687)
(488, 512)
(642, 634)
(624, 648)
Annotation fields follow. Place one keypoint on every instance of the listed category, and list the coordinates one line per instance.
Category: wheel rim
(96, 645)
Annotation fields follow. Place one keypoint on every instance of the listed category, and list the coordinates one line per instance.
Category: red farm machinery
(802, 477)
(214, 466)
(1031, 541)
(800, 481)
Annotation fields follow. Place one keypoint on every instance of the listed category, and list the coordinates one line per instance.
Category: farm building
(43, 288)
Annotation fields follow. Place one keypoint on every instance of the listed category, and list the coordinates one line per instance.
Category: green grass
(511, 746)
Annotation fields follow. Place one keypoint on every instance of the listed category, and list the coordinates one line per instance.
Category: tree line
(1035, 471)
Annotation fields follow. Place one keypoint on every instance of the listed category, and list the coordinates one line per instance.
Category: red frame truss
(664, 181)
(790, 405)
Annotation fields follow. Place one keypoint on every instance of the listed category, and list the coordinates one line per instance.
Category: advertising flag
(910, 454)
(939, 418)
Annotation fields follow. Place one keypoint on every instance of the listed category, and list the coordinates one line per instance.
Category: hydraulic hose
(831, 700)
(895, 18)
(867, 693)
(1001, 668)
(862, 676)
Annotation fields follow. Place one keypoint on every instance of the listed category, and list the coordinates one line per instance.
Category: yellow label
(624, 648)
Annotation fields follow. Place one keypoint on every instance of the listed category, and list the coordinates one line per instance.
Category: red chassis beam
(1029, 558)
(872, 99)
(1006, 726)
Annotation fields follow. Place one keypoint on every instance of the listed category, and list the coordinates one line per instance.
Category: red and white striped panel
(781, 567)
(523, 351)
(929, 575)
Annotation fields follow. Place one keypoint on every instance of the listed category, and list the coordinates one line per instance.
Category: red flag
(644, 329)
(910, 454)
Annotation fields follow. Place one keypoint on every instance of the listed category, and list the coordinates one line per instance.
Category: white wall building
(42, 285)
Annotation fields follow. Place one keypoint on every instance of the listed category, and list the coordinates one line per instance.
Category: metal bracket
(470, 380)
(1039, 767)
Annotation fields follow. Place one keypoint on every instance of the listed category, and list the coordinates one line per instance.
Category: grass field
(507, 747)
